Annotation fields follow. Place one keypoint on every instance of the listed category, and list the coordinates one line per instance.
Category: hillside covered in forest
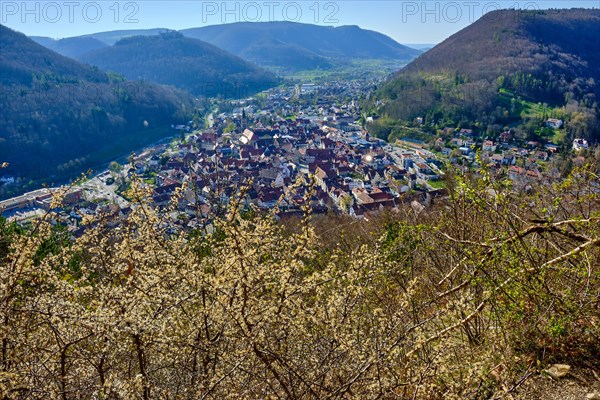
(484, 73)
(301, 46)
(60, 117)
(172, 59)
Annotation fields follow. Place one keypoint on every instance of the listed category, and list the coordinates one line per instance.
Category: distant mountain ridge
(274, 53)
(70, 47)
(421, 46)
(112, 37)
(288, 46)
(343, 42)
(190, 64)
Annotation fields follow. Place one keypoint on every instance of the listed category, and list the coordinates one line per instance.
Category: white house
(554, 123)
(580, 144)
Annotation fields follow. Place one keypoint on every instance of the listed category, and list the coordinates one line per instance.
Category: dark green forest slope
(60, 117)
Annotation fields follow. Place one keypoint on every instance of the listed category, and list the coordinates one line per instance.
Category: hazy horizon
(408, 22)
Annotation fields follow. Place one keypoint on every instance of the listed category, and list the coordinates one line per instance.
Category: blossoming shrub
(457, 301)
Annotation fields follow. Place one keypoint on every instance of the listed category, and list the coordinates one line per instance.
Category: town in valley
(315, 134)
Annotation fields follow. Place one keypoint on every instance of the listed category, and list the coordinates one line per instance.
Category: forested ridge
(300, 46)
(190, 64)
(480, 75)
(60, 117)
(465, 299)
(70, 47)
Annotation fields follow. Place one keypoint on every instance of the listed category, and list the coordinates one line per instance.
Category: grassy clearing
(441, 184)
(528, 109)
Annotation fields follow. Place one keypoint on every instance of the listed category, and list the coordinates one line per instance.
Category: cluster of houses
(523, 159)
(345, 169)
(41, 198)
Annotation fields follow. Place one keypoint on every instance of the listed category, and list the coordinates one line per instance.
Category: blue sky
(405, 21)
